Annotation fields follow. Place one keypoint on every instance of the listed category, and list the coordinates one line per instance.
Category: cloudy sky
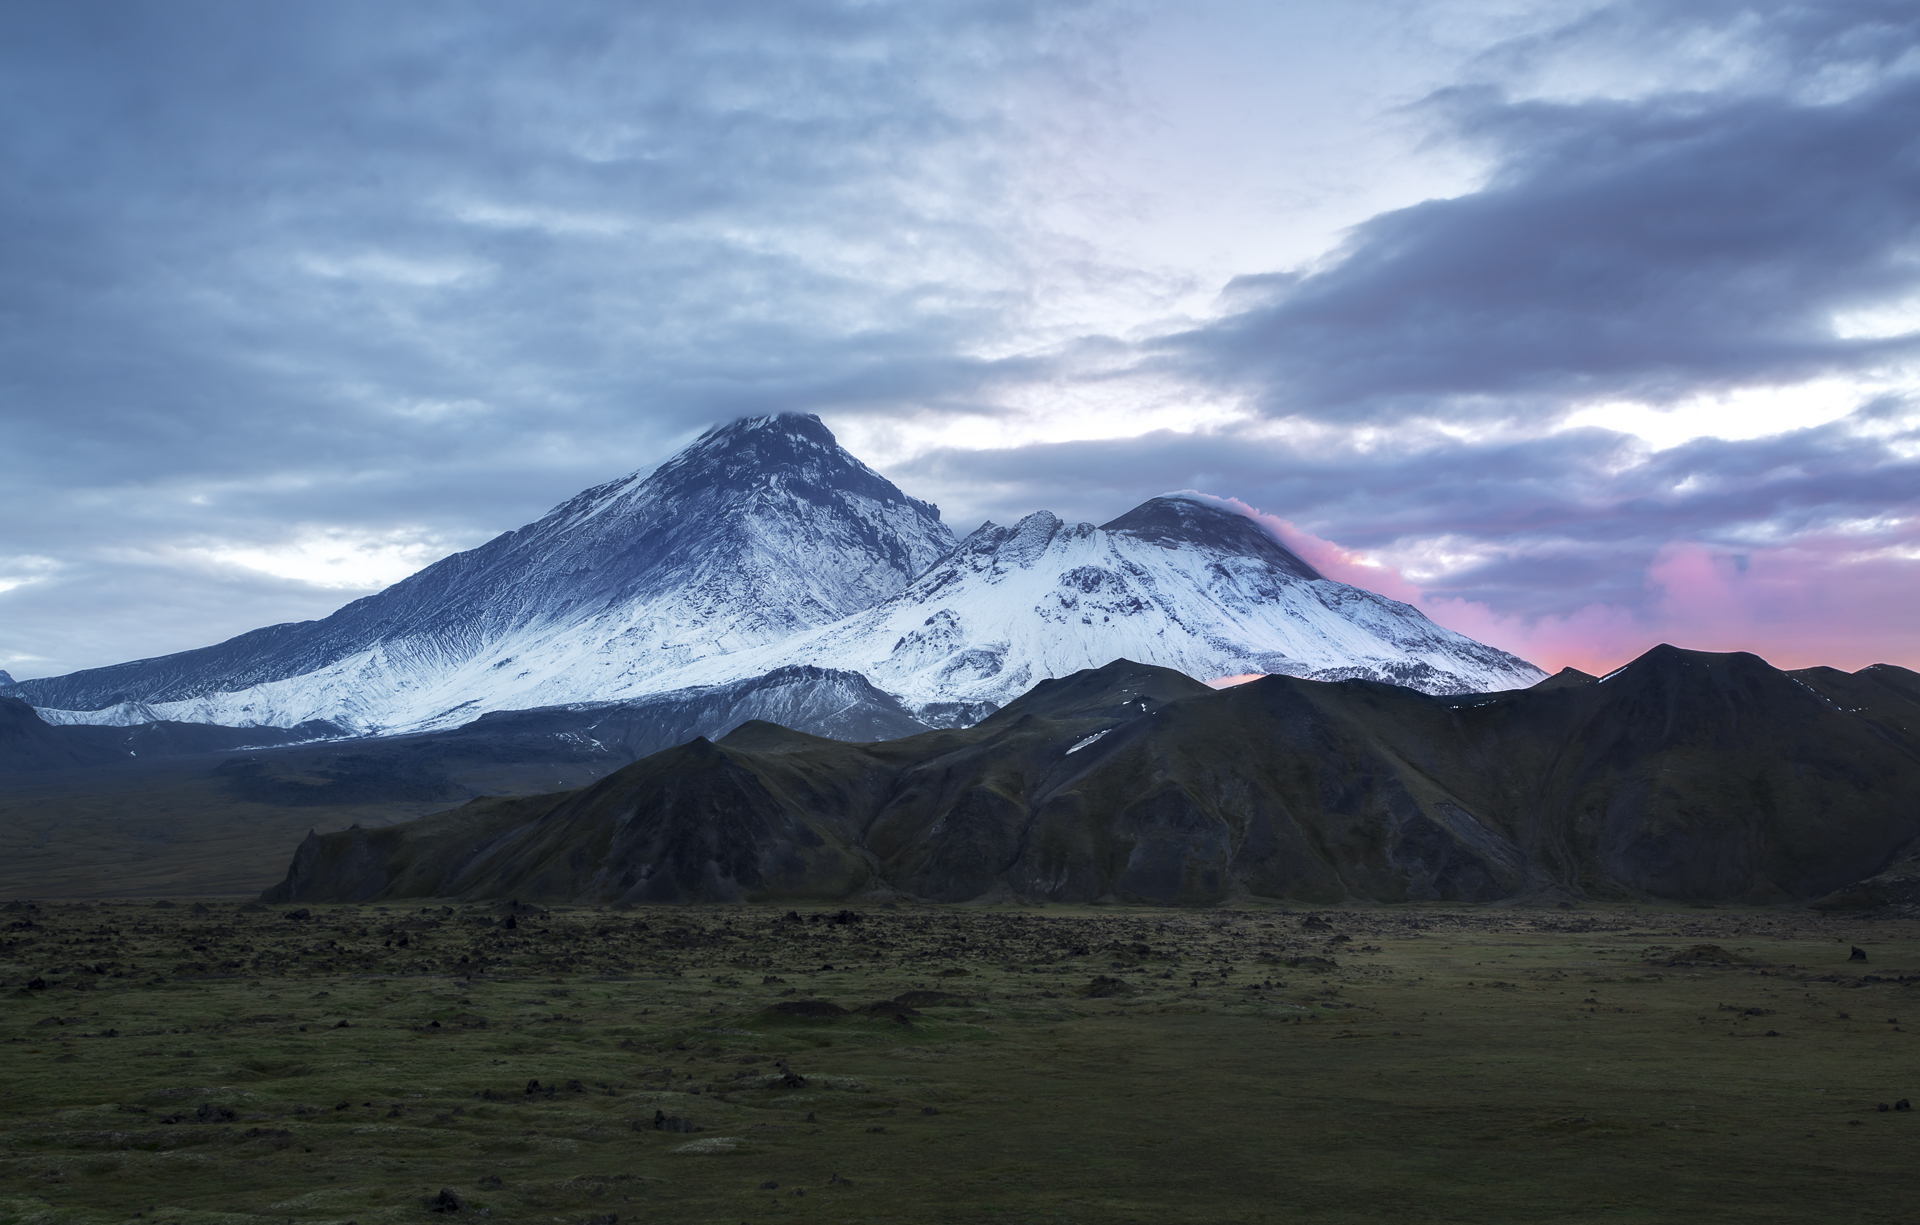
(1585, 326)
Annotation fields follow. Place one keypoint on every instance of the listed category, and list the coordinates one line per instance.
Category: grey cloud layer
(444, 264)
(1649, 247)
(315, 217)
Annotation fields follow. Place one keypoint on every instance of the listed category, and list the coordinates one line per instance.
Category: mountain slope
(1685, 775)
(760, 529)
(1176, 582)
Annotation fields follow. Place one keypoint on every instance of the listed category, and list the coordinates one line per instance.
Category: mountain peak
(761, 528)
(795, 452)
(798, 425)
(1565, 678)
(1121, 689)
(776, 438)
(1173, 521)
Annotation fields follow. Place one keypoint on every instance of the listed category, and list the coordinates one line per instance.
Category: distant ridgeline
(1684, 775)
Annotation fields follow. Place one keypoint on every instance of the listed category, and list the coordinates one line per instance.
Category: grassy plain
(218, 1062)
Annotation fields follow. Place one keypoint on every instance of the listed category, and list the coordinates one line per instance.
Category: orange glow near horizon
(1228, 682)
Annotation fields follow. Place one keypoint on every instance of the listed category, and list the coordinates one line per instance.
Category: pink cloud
(1814, 602)
(1838, 599)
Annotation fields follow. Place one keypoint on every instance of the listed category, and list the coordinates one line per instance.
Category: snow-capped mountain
(1177, 582)
(759, 530)
(765, 545)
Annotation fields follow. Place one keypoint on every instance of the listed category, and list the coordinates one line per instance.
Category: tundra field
(201, 1062)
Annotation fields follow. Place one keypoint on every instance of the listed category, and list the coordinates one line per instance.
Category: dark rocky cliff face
(1685, 775)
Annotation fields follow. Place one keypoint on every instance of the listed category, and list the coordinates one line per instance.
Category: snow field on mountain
(1012, 607)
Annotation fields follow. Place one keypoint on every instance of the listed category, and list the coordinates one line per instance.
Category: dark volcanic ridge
(1684, 775)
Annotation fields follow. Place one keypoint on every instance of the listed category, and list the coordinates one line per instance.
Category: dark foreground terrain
(201, 1062)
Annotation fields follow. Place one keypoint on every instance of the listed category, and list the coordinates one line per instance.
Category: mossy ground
(188, 1063)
